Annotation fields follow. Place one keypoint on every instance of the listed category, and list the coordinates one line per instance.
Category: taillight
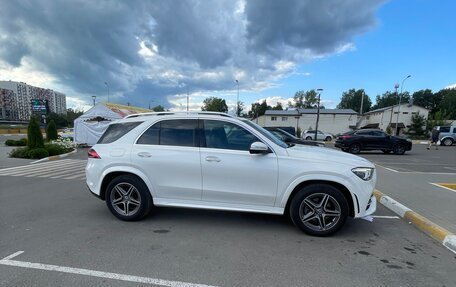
(93, 154)
(344, 137)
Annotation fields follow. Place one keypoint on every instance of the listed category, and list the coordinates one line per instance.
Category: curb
(54, 157)
(435, 231)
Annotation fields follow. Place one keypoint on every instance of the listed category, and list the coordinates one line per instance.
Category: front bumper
(370, 208)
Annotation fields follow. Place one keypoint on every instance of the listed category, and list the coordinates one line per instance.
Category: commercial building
(331, 120)
(388, 116)
(16, 98)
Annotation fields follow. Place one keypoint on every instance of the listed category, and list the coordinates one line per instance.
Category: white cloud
(453, 86)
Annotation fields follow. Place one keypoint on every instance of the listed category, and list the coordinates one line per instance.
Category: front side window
(172, 132)
(444, 129)
(225, 135)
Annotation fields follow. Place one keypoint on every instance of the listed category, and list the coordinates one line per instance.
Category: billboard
(39, 106)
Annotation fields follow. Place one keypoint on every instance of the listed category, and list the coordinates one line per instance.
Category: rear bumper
(93, 193)
(340, 144)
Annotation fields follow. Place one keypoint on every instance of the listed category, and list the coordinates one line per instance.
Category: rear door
(168, 153)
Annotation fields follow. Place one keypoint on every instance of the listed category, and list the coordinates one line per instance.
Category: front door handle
(212, 158)
(144, 154)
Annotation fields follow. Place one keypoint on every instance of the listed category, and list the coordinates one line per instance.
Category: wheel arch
(342, 188)
(109, 176)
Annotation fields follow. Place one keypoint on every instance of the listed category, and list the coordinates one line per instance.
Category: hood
(328, 155)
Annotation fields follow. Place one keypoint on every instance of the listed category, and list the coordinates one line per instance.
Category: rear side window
(444, 129)
(172, 132)
(116, 131)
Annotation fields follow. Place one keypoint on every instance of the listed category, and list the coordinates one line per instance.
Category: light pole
(93, 98)
(362, 100)
(106, 83)
(399, 105)
(396, 86)
(237, 102)
(318, 112)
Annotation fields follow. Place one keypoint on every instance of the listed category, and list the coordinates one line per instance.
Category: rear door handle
(212, 158)
(144, 154)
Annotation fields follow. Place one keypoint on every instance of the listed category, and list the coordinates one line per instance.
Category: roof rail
(176, 113)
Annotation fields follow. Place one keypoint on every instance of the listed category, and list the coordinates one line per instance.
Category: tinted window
(265, 133)
(363, 133)
(224, 135)
(151, 135)
(454, 130)
(444, 129)
(378, 133)
(178, 132)
(116, 131)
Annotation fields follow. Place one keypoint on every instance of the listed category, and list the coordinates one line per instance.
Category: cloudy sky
(154, 52)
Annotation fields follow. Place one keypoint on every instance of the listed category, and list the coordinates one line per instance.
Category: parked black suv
(289, 138)
(368, 139)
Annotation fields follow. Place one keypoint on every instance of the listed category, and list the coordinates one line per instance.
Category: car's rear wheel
(355, 148)
(308, 138)
(128, 198)
(319, 209)
(328, 139)
(447, 142)
(399, 149)
(386, 151)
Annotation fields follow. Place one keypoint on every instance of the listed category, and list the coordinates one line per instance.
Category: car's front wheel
(399, 149)
(128, 198)
(319, 209)
(308, 138)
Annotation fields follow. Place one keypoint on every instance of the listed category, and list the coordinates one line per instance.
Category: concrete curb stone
(54, 157)
(422, 223)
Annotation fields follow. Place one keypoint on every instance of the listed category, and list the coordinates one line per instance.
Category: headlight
(365, 173)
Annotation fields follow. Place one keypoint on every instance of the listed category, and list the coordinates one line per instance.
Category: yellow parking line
(448, 186)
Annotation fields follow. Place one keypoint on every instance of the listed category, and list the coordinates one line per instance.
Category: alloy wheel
(319, 211)
(125, 199)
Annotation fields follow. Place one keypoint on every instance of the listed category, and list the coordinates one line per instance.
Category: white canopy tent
(90, 126)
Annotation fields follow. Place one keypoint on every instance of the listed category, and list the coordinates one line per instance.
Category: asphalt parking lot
(52, 218)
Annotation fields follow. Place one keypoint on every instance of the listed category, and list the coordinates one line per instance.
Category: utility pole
(362, 100)
(399, 105)
(318, 112)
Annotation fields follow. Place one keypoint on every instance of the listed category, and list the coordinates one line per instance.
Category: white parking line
(109, 275)
(385, 216)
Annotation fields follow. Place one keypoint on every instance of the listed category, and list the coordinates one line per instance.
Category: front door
(230, 173)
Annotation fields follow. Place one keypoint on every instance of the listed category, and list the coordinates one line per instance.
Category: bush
(34, 135)
(38, 153)
(51, 131)
(21, 142)
(54, 149)
(22, 152)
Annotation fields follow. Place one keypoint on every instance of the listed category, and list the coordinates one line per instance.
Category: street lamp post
(396, 86)
(362, 100)
(399, 105)
(237, 102)
(93, 98)
(318, 112)
(106, 83)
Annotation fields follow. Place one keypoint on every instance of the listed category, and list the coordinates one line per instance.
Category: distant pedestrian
(434, 138)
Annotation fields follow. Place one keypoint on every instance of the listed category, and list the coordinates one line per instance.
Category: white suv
(215, 161)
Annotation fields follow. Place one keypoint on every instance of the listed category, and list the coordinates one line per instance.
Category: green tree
(305, 100)
(158, 108)
(351, 99)
(72, 115)
(34, 135)
(259, 109)
(214, 104)
(240, 107)
(417, 127)
(434, 120)
(448, 103)
(389, 99)
(427, 100)
(59, 119)
(51, 131)
(278, 107)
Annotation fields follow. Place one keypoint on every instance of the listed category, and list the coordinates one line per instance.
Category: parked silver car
(321, 136)
(447, 135)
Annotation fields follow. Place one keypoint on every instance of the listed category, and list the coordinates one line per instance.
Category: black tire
(386, 151)
(311, 194)
(447, 142)
(308, 138)
(139, 201)
(328, 139)
(354, 148)
(399, 149)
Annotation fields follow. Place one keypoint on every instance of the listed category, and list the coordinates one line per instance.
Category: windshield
(266, 133)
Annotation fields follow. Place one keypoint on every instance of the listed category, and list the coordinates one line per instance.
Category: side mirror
(258, 148)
